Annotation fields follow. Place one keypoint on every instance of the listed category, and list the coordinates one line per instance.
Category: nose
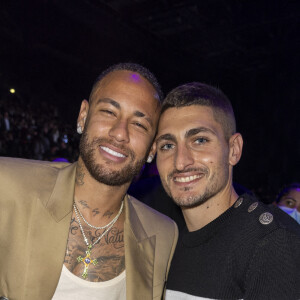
(119, 131)
(183, 158)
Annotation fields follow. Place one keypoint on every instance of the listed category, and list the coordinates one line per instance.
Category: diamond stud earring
(79, 129)
(149, 159)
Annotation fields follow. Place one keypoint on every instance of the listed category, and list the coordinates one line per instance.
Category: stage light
(12, 91)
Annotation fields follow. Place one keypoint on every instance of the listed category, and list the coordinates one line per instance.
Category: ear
(235, 148)
(83, 113)
(152, 153)
(153, 149)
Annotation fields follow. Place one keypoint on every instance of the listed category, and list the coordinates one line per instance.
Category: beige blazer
(35, 212)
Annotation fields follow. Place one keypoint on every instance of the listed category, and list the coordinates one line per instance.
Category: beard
(215, 184)
(102, 172)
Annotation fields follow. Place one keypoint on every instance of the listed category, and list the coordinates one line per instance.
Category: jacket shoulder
(11, 163)
(152, 218)
(18, 173)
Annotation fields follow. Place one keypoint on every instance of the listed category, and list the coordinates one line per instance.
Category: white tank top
(71, 287)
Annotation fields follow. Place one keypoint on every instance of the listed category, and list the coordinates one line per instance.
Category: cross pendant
(87, 261)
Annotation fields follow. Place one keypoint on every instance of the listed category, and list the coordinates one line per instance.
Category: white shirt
(71, 287)
(175, 295)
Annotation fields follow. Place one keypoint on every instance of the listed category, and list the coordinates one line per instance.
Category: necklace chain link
(100, 227)
(108, 226)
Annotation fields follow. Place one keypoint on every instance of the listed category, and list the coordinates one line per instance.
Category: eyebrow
(197, 130)
(166, 137)
(137, 113)
(142, 115)
(110, 101)
(188, 134)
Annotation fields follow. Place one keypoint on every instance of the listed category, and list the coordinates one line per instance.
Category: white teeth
(186, 179)
(114, 153)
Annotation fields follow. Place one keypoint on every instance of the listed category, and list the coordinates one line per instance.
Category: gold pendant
(87, 261)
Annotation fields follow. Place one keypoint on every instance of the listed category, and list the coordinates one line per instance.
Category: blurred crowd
(36, 131)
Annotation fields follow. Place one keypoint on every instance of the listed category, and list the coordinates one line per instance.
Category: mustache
(96, 142)
(178, 172)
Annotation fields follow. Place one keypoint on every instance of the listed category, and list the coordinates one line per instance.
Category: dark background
(52, 50)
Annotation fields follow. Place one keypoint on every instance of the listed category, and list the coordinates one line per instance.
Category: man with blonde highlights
(71, 231)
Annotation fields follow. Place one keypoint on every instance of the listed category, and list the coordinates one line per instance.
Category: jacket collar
(139, 255)
(61, 200)
(48, 243)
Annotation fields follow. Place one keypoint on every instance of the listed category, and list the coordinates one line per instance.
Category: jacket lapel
(61, 201)
(139, 256)
(50, 233)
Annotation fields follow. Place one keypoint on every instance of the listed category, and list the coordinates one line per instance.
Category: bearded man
(70, 231)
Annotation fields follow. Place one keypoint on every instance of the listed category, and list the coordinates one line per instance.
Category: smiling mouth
(112, 152)
(187, 178)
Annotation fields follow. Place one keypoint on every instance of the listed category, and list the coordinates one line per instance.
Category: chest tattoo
(101, 262)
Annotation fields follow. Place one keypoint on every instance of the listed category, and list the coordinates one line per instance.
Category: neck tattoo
(87, 260)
